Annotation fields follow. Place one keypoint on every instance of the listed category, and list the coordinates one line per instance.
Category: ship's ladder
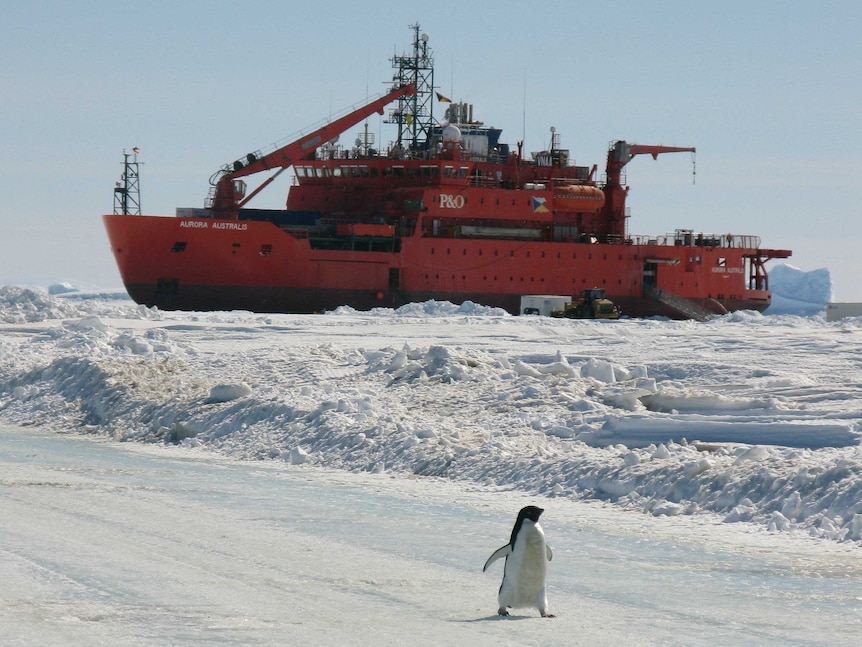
(686, 307)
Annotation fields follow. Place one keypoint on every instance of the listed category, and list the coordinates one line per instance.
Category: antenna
(127, 192)
(524, 125)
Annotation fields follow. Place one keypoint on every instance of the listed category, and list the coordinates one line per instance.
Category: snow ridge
(750, 418)
(766, 446)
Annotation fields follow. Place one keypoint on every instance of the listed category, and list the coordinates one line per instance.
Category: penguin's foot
(502, 611)
(545, 614)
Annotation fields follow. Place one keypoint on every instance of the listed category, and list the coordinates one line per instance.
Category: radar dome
(451, 133)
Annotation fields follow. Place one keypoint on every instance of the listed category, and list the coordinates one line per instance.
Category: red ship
(446, 212)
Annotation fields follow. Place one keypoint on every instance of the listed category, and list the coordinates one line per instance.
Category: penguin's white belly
(524, 575)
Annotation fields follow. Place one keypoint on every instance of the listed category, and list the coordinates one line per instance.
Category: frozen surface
(751, 418)
(129, 544)
(295, 475)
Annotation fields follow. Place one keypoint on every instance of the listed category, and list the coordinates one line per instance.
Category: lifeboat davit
(578, 198)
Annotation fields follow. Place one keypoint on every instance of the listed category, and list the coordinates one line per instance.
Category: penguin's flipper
(503, 551)
(550, 552)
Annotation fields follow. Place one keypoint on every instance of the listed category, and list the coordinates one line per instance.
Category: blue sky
(769, 92)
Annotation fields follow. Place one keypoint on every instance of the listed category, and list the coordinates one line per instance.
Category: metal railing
(690, 239)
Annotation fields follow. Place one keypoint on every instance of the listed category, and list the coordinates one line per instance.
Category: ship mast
(127, 192)
(414, 114)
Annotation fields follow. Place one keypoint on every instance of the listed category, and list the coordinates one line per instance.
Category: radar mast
(414, 114)
(127, 192)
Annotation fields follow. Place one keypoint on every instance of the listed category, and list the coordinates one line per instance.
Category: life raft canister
(578, 198)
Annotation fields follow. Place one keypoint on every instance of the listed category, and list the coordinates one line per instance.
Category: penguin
(526, 565)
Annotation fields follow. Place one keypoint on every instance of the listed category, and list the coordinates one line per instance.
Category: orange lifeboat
(578, 198)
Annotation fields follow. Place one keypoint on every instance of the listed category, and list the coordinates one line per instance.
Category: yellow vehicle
(592, 304)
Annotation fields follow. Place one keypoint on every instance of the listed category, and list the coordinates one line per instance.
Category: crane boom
(621, 153)
(229, 191)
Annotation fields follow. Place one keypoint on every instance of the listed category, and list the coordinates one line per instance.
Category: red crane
(228, 193)
(620, 154)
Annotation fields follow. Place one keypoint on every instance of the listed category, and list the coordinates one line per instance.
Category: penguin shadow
(498, 618)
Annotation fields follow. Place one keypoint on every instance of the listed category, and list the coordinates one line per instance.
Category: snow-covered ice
(748, 421)
(750, 417)
(136, 544)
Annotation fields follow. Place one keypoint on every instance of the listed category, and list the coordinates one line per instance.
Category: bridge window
(300, 171)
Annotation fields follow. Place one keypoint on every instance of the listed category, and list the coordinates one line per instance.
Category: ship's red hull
(207, 264)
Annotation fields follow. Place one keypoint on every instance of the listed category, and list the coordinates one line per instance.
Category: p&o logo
(451, 201)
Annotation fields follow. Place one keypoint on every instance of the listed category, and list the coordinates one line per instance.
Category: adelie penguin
(527, 556)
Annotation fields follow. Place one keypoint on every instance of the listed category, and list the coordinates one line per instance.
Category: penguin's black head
(530, 512)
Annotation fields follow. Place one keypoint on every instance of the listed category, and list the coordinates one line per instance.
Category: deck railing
(691, 239)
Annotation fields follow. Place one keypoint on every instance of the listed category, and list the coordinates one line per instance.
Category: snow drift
(754, 418)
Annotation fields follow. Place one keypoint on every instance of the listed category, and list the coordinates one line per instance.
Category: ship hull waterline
(317, 300)
(177, 264)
